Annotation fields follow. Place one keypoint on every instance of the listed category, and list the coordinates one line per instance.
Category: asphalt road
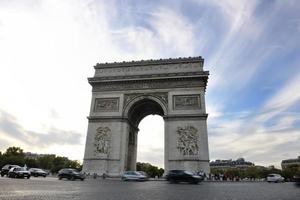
(51, 188)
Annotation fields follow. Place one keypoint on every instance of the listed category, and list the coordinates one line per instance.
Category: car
(37, 172)
(70, 174)
(176, 176)
(296, 178)
(276, 178)
(133, 176)
(19, 172)
(143, 173)
(6, 168)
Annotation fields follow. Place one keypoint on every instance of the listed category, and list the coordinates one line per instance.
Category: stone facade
(124, 93)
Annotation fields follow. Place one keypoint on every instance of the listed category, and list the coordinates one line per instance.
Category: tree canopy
(151, 170)
(53, 163)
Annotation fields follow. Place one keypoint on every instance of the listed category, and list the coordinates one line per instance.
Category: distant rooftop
(291, 160)
(230, 162)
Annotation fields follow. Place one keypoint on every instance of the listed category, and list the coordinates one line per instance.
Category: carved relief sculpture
(106, 104)
(186, 102)
(102, 140)
(160, 95)
(188, 140)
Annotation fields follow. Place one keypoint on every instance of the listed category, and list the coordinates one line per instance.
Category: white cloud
(168, 30)
(12, 133)
(284, 98)
(48, 49)
(260, 147)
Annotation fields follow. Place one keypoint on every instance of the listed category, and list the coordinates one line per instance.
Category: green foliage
(12, 155)
(74, 164)
(151, 170)
(59, 163)
(16, 156)
(46, 161)
(31, 162)
(254, 172)
(291, 171)
(14, 151)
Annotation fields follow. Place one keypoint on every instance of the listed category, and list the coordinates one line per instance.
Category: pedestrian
(95, 175)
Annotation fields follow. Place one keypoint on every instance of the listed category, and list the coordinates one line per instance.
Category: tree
(59, 163)
(151, 170)
(46, 162)
(13, 155)
(14, 151)
(31, 162)
(74, 164)
(290, 171)
(16, 156)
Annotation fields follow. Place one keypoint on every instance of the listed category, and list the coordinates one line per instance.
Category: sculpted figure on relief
(102, 140)
(188, 140)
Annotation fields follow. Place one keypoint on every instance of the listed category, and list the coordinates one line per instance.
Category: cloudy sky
(49, 48)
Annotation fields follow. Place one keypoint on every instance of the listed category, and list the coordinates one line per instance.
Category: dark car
(19, 172)
(296, 178)
(6, 168)
(70, 174)
(176, 176)
(37, 172)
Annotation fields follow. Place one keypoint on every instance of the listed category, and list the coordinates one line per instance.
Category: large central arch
(139, 108)
(124, 93)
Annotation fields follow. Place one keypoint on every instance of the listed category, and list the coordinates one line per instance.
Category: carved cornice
(189, 159)
(150, 62)
(142, 84)
(186, 117)
(106, 118)
(149, 76)
(109, 159)
(110, 119)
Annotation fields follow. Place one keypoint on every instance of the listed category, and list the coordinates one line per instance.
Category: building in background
(35, 156)
(290, 162)
(226, 164)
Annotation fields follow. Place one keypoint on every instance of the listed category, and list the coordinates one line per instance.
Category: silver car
(276, 178)
(133, 176)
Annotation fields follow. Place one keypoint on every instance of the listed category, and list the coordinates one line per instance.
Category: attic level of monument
(164, 67)
(154, 74)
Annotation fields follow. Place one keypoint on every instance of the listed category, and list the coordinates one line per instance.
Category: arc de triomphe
(124, 93)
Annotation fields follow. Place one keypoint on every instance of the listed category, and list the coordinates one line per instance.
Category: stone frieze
(149, 84)
(186, 102)
(106, 105)
(187, 143)
(102, 140)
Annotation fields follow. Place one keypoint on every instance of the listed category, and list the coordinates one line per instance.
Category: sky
(251, 49)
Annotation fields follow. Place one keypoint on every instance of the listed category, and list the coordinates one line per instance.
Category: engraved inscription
(102, 140)
(186, 102)
(106, 104)
(187, 143)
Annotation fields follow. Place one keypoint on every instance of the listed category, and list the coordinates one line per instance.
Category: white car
(133, 176)
(276, 178)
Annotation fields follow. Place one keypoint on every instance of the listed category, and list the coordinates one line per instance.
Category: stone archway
(135, 111)
(124, 93)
